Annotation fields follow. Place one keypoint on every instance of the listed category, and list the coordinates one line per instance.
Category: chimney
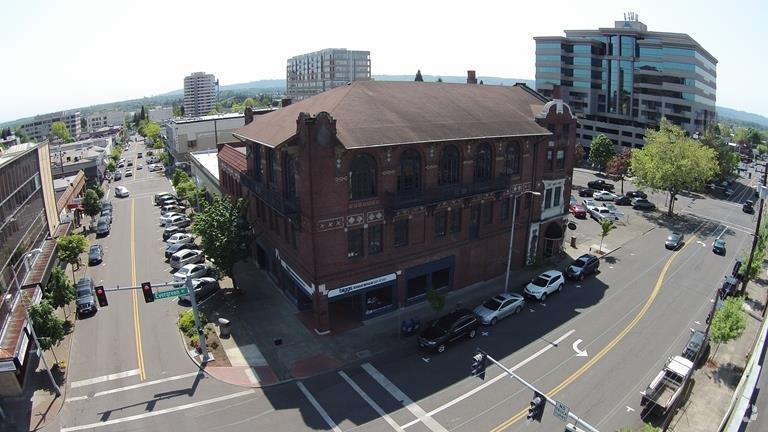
(556, 92)
(471, 77)
(284, 102)
(248, 115)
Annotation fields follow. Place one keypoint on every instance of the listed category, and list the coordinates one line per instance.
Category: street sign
(171, 293)
(561, 411)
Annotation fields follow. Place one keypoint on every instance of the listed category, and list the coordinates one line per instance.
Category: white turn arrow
(579, 353)
(701, 243)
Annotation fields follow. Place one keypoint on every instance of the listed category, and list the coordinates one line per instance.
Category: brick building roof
(234, 157)
(378, 113)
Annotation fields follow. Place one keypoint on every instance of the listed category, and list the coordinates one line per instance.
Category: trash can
(224, 328)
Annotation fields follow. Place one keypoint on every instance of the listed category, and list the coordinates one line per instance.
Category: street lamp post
(512, 233)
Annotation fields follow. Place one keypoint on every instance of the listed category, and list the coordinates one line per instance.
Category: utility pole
(757, 230)
(200, 331)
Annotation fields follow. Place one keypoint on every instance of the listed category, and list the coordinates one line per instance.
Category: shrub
(186, 323)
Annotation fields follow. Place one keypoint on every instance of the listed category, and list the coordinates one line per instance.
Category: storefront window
(441, 278)
(417, 286)
(378, 299)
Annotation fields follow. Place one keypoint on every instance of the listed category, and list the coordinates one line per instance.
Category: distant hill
(742, 117)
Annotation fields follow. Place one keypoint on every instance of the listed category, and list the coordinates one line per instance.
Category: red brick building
(366, 196)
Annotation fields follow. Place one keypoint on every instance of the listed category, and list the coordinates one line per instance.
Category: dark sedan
(643, 204)
(623, 200)
(601, 184)
(748, 207)
(586, 192)
(449, 328)
(674, 241)
(636, 194)
(95, 254)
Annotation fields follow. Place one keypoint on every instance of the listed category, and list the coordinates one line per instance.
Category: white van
(186, 256)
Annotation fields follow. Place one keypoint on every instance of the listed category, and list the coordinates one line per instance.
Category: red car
(578, 210)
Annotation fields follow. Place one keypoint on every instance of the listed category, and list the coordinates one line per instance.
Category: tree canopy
(672, 162)
(729, 321)
(59, 131)
(618, 167)
(149, 130)
(601, 151)
(91, 203)
(49, 328)
(70, 247)
(221, 231)
(727, 159)
(59, 291)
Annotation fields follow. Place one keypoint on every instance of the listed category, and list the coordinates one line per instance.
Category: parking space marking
(104, 378)
(398, 394)
(370, 401)
(317, 406)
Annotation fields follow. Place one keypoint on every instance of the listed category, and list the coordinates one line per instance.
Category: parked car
(718, 247)
(623, 200)
(138, 156)
(578, 210)
(643, 204)
(166, 218)
(545, 284)
(499, 307)
(176, 208)
(102, 229)
(173, 248)
(636, 194)
(171, 230)
(600, 213)
(582, 266)
(586, 192)
(191, 270)
(118, 175)
(95, 254)
(130, 163)
(449, 328)
(604, 196)
(168, 200)
(203, 287)
(128, 173)
(158, 196)
(186, 256)
(139, 166)
(177, 219)
(180, 238)
(106, 205)
(590, 204)
(601, 184)
(748, 207)
(105, 217)
(121, 192)
(696, 346)
(183, 222)
(85, 296)
(674, 241)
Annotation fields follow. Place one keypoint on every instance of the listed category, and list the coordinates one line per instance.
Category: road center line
(132, 387)
(159, 412)
(328, 420)
(134, 296)
(398, 394)
(495, 379)
(370, 401)
(105, 378)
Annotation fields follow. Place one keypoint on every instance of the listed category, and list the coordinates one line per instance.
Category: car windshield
(184, 270)
(83, 291)
(540, 281)
(492, 304)
(579, 263)
(444, 323)
(94, 249)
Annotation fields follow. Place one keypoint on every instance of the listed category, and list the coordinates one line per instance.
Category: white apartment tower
(200, 92)
(316, 72)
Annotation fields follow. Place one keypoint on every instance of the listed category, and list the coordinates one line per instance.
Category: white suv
(186, 256)
(545, 284)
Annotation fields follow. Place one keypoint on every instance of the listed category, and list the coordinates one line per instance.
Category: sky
(61, 55)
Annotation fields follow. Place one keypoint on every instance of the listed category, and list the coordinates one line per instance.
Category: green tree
(672, 162)
(601, 151)
(606, 226)
(179, 176)
(111, 166)
(91, 204)
(436, 299)
(21, 135)
(150, 130)
(221, 231)
(70, 247)
(48, 327)
(419, 78)
(762, 149)
(99, 192)
(728, 323)
(165, 158)
(177, 110)
(727, 159)
(185, 189)
(618, 167)
(158, 144)
(59, 292)
(747, 136)
(59, 131)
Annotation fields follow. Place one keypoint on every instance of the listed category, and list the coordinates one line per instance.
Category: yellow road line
(656, 289)
(134, 297)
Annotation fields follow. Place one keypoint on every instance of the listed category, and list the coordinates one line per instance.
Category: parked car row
(464, 323)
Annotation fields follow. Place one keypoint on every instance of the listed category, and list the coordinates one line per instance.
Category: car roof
(549, 274)
(586, 257)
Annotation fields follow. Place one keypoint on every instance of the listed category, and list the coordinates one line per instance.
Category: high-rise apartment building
(200, 92)
(316, 72)
(38, 128)
(622, 80)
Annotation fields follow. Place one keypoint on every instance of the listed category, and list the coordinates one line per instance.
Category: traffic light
(101, 295)
(479, 361)
(149, 296)
(536, 410)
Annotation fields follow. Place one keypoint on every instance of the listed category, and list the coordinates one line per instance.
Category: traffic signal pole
(578, 421)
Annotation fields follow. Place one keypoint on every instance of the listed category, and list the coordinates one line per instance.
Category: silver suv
(86, 297)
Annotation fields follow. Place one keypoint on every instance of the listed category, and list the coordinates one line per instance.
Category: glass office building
(621, 81)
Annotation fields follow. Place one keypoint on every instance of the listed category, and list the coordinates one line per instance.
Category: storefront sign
(361, 285)
(308, 289)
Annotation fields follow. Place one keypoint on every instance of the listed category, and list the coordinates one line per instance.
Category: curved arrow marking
(579, 353)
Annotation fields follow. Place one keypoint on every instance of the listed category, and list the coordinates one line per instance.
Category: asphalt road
(625, 321)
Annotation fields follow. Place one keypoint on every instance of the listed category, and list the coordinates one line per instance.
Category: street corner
(314, 365)
(243, 376)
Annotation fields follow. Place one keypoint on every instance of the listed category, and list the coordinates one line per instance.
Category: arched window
(362, 177)
(410, 168)
(289, 171)
(483, 160)
(449, 166)
(512, 159)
